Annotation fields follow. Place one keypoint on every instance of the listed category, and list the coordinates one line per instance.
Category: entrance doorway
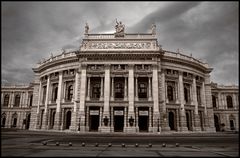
(188, 120)
(68, 120)
(143, 123)
(143, 119)
(216, 122)
(93, 120)
(171, 120)
(28, 121)
(118, 120)
(232, 125)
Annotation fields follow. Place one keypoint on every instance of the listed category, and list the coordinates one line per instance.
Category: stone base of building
(210, 129)
(130, 129)
(164, 129)
(82, 129)
(183, 129)
(104, 129)
(155, 129)
(197, 129)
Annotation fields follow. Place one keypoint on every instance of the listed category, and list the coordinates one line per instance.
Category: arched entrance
(216, 122)
(143, 119)
(14, 120)
(3, 121)
(68, 119)
(232, 120)
(28, 121)
(171, 120)
(118, 119)
(93, 119)
(188, 120)
(52, 118)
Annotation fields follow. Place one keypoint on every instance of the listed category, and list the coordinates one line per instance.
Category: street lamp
(158, 125)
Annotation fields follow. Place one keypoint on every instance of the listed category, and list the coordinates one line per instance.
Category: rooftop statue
(119, 29)
(86, 28)
(153, 29)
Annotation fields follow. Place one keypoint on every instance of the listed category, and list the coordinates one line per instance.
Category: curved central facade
(122, 83)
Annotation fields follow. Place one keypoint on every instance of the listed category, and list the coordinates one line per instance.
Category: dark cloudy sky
(32, 30)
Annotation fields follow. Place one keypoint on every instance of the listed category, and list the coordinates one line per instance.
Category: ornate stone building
(124, 82)
(16, 103)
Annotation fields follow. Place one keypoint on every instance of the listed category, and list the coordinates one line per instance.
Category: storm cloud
(33, 30)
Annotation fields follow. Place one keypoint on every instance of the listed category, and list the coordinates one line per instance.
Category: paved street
(29, 144)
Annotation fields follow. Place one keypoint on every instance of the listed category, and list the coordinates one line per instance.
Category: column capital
(107, 66)
(130, 66)
(83, 66)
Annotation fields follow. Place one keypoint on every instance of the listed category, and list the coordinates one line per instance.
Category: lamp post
(158, 125)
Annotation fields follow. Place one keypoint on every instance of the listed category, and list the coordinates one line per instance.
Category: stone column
(100, 117)
(58, 101)
(2, 99)
(125, 89)
(208, 95)
(176, 93)
(10, 100)
(22, 97)
(150, 118)
(219, 101)
(81, 116)
(88, 88)
(112, 88)
(111, 119)
(101, 94)
(149, 89)
(156, 113)
(164, 119)
(166, 92)
(195, 103)
(37, 124)
(136, 88)
(234, 98)
(74, 121)
(26, 102)
(131, 98)
(125, 118)
(183, 124)
(87, 118)
(106, 99)
(136, 122)
(45, 116)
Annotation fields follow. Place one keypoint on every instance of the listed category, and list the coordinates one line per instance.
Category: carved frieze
(119, 45)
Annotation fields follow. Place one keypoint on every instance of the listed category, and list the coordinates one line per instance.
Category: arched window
(186, 95)
(6, 100)
(14, 120)
(55, 93)
(17, 100)
(229, 102)
(170, 93)
(96, 90)
(31, 98)
(70, 93)
(119, 90)
(142, 90)
(214, 101)
(198, 95)
(3, 120)
(44, 94)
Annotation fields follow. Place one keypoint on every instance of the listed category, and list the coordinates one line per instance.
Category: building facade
(16, 103)
(124, 82)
